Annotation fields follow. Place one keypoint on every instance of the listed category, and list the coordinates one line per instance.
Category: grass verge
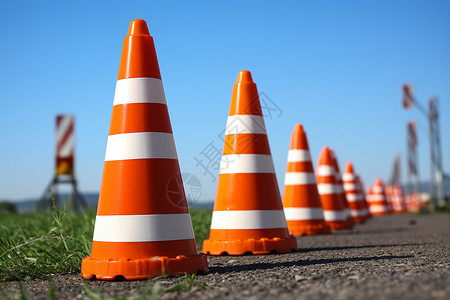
(41, 245)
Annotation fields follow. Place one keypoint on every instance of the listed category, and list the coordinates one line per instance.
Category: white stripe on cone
(248, 219)
(348, 177)
(354, 197)
(143, 228)
(378, 208)
(373, 198)
(377, 189)
(246, 163)
(140, 145)
(325, 170)
(139, 90)
(245, 124)
(303, 213)
(328, 189)
(358, 212)
(299, 178)
(334, 215)
(298, 155)
(350, 187)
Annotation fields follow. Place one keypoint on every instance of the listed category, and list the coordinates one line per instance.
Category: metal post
(438, 157)
(433, 199)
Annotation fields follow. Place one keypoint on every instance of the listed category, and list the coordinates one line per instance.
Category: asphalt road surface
(393, 257)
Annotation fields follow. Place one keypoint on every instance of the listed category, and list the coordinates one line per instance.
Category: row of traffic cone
(143, 227)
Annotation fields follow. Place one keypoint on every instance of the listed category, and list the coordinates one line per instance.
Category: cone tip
(378, 181)
(245, 76)
(138, 27)
(349, 167)
(298, 128)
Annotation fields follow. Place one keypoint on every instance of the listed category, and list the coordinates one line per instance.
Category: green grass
(41, 245)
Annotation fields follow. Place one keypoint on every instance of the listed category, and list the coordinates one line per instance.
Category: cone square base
(299, 228)
(137, 269)
(253, 246)
(360, 220)
(337, 225)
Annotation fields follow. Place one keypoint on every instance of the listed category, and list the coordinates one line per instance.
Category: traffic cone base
(136, 269)
(248, 231)
(310, 227)
(337, 225)
(250, 246)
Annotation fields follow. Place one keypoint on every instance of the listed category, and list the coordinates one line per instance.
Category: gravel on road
(395, 257)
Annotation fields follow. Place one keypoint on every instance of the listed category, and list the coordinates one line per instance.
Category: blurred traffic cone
(388, 191)
(301, 200)
(349, 222)
(248, 215)
(398, 199)
(360, 187)
(333, 207)
(378, 205)
(354, 195)
(143, 228)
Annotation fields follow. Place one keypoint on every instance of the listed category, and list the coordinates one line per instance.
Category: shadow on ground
(299, 263)
(303, 250)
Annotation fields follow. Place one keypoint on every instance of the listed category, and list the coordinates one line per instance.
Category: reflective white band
(296, 178)
(334, 215)
(327, 188)
(248, 219)
(139, 90)
(350, 187)
(67, 149)
(298, 155)
(246, 163)
(348, 177)
(139, 145)
(354, 197)
(378, 208)
(241, 124)
(376, 198)
(303, 213)
(358, 212)
(325, 170)
(377, 189)
(63, 126)
(143, 228)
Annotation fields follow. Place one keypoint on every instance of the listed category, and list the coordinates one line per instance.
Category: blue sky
(335, 66)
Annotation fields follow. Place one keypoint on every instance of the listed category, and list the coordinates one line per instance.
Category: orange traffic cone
(301, 200)
(398, 200)
(143, 228)
(349, 222)
(378, 205)
(333, 207)
(388, 191)
(248, 215)
(360, 186)
(354, 196)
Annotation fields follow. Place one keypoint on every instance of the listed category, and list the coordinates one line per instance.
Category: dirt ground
(393, 257)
